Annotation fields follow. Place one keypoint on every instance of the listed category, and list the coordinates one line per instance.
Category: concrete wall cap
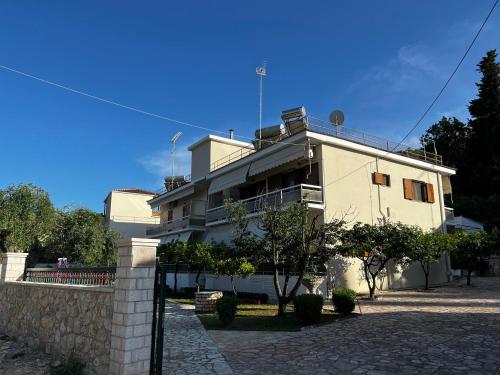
(14, 255)
(138, 242)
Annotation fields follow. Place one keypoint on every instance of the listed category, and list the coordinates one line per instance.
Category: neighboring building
(334, 169)
(127, 211)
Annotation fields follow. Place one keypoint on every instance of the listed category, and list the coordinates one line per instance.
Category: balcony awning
(180, 237)
(289, 153)
(446, 185)
(228, 180)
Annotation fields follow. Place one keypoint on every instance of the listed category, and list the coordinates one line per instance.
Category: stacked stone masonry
(205, 301)
(60, 320)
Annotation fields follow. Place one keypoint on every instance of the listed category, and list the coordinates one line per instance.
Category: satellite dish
(337, 117)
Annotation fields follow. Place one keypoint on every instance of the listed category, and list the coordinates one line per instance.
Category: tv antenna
(173, 140)
(261, 72)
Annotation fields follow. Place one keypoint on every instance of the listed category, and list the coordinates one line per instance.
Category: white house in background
(127, 211)
(333, 169)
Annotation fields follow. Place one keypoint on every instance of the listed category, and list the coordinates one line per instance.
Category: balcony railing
(297, 193)
(449, 214)
(353, 135)
(177, 225)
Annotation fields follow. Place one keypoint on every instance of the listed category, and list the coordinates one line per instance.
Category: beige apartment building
(127, 211)
(335, 170)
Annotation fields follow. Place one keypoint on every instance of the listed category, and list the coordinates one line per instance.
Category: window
(186, 209)
(418, 191)
(381, 179)
(170, 215)
(216, 200)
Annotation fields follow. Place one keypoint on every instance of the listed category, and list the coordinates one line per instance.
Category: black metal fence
(103, 276)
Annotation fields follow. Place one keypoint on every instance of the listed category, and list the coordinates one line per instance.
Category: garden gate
(158, 319)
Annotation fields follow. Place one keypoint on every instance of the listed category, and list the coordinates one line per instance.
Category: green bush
(308, 308)
(226, 309)
(72, 366)
(344, 300)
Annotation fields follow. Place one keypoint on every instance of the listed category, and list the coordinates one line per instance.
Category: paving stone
(450, 330)
(18, 359)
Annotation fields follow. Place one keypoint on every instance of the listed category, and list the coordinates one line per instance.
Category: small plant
(308, 308)
(226, 309)
(72, 366)
(344, 300)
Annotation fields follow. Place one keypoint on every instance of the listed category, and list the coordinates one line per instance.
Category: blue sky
(381, 63)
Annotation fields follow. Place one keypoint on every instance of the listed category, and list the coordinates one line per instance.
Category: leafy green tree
(485, 127)
(227, 262)
(26, 217)
(81, 236)
(199, 256)
(174, 253)
(428, 248)
(471, 252)
(376, 245)
(293, 242)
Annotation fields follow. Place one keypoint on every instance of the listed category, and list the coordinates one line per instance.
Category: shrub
(308, 308)
(72, 366)
(344, 300)
(249, 297)
(226, 309)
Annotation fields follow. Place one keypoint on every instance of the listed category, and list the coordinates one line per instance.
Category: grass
(185, 301)
(261, 318)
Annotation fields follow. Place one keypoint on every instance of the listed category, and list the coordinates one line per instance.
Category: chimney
(231, 133)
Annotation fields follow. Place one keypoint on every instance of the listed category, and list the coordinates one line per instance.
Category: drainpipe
(443, 222)
(383, 216)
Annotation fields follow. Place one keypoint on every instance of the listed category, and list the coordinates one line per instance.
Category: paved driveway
(451, 330)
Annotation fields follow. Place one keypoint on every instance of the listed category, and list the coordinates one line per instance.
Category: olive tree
(376, 245)
(428, 248)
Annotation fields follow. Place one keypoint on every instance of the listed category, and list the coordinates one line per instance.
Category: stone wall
(60, 320)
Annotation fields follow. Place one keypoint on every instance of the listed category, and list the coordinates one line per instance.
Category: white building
(127, 211)
(332, 169)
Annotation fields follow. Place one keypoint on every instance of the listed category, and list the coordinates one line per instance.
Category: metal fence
(103, 276)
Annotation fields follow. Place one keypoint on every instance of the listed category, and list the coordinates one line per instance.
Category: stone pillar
(133, 307)
(12, 267)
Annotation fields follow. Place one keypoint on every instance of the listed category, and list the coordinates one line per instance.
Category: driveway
(451, 330)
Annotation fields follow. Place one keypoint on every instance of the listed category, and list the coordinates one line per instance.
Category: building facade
(336, 171)
(127, 211)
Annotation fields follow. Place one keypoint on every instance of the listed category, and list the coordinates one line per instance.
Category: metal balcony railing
(449, 214)
(325, 127)
(297, 193)
(175, 225)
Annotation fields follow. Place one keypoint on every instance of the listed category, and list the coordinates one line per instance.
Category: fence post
(133, 307)
(12, 267)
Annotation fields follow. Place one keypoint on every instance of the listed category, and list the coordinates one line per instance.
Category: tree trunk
(197, 280)
(233, 285)
(282, 306)
(177, 266)
(427, 271)
(468, 277)
(372, 287)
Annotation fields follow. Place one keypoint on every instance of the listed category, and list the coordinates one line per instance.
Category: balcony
(193, 219)
(449, 214)
(298, 193)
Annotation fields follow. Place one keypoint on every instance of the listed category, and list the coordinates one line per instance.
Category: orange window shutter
(378, 178)
(430, 193)
(408, 188)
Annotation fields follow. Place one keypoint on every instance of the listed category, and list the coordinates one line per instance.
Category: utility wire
(134, 109)
(450, 77)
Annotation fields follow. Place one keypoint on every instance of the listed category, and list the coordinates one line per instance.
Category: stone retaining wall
(60, 320)
(205, 301)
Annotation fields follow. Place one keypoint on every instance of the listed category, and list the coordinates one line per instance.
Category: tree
(82, 237)
(173, 253)
(471, 252)
(26, 217)
(199, 256)
(293, 241)
(376, 245)
(485, 127)
(428, 248)
(227, 262)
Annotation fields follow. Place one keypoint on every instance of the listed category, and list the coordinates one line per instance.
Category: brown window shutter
(430, 193)
(378, 178)
(408, 188)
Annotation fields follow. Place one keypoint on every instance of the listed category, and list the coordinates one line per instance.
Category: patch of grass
(261, 318)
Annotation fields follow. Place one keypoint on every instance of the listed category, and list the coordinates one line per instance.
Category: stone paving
(450, 330)
(17, 359)
(188, 349)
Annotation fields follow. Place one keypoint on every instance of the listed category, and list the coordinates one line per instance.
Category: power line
(450, 77)
(134, 109)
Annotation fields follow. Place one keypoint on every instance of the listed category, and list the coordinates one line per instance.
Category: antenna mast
(261, 72)
(173, 140)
